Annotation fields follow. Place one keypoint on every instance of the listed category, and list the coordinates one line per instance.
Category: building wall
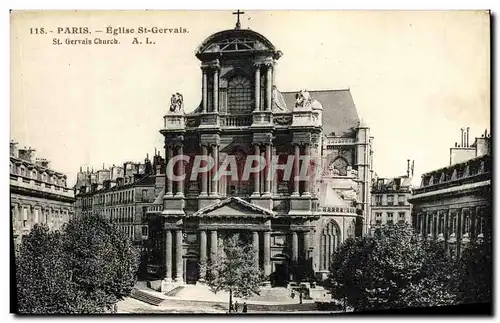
(454, 204)
(125, 206)
(38, 194)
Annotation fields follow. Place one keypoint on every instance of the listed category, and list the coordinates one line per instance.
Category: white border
(186, 4)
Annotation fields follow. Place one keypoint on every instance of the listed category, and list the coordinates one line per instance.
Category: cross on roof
(238, 25)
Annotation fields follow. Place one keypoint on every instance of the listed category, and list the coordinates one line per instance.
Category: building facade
(454, 203)
(390, 200)
(38, 194)
(121, 194)
(294, 225)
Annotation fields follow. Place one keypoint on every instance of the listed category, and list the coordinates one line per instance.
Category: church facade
(293, 222)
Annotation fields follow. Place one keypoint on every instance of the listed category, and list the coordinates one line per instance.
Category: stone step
(146, 298)
(174, 291)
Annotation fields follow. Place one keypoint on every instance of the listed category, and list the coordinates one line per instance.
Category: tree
(475, 272)
(234, 270)
(42, 274)
(103, 261)
(390, 270)
(85, 269)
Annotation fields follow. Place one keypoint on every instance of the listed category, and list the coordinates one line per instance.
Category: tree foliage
(234, 270)
(390, 270)
(475, 272)
(85, 269)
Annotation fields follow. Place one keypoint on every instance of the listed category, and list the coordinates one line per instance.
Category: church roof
(235, 40)
(339, 112)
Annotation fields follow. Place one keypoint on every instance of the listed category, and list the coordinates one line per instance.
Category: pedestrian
(300, 297)
(245, 308)
(236, 306)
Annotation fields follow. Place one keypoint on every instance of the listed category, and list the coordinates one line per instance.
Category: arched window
(239, 95)
(329, 241)
(340, 165)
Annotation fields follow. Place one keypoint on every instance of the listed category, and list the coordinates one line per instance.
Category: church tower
(244, 123)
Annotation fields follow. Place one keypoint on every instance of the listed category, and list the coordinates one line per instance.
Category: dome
(232, 41)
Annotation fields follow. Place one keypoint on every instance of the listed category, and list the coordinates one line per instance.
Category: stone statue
(176, 103)
(302, 99)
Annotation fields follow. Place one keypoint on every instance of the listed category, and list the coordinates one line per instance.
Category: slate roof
(339, 112)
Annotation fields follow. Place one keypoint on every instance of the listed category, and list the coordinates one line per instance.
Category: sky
(416, 78)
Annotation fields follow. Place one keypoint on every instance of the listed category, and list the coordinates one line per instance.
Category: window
(390, 200)
(397, 184)
(144, 230)
(144, 195)
(378, 222)
(378, 215)
(190, 237)
(340, 166)
(239, 95)
(401, 217)
(279, 240)
(401, 199)
(390, 218)
(380, 184)
(378, 200)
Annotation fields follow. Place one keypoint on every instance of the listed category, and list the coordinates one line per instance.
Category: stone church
(294, 225)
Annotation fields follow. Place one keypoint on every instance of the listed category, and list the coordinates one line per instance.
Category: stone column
(306, 245)
(296, 170)
(213, 245)
(203, 253)
(216, 90)
(204, 90)
(255, 235)
(307, 153)
(269, 87)
(267, 172)
(295, 247)
(215, 184)
(168, 177)
(204, 175)
(180, 168)
(168, 255)
(256, 189)
(430, 224)
(178, 256)
(267, 254)
(257, 87)
(275, 175)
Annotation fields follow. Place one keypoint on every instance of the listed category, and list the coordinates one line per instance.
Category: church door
(191, 271)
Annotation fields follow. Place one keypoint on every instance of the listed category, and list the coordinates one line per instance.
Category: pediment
(233, 207)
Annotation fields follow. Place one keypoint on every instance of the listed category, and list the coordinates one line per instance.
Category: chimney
(412, 167)
(456, 144)
(408, 168)
(467, 141)
(462, 137)
(26, 154)
(42, 162)
(13, 148)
